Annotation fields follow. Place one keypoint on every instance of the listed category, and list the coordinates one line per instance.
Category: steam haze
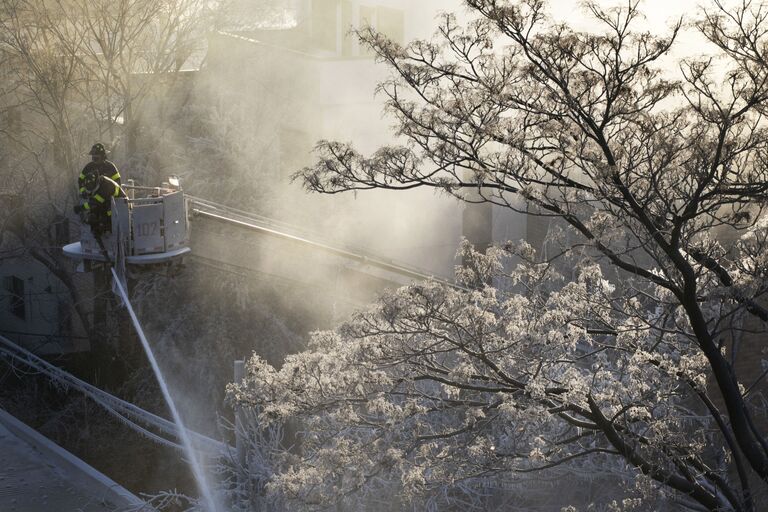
(235, 113)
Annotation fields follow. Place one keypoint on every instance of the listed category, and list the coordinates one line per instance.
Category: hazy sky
(659, 16)
(658, 12)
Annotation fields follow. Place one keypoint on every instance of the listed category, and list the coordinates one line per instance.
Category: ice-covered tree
(622, 365)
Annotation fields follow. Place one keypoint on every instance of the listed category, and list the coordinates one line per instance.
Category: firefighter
(96, 209)
(101, 165)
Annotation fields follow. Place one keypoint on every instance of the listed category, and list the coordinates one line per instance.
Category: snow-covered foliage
(626, 362)
(448, 396)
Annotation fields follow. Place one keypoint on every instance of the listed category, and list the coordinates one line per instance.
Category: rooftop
(36, 475)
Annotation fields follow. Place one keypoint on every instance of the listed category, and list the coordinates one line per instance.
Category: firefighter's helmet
(91, 180)
(98, 149)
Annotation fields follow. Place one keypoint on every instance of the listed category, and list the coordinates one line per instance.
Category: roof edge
(80, 471)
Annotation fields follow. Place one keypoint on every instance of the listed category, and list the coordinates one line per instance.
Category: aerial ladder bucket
(149, 227)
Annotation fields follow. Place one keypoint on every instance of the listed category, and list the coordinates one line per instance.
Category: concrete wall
(40, 318)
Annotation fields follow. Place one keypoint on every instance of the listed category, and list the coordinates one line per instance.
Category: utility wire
(126, 412)
(42, 335)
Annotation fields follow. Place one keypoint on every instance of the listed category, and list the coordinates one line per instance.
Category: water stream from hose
(197, 469)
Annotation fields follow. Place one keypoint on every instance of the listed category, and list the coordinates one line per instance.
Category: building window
(367, 19)
(388, 21)
(324, 26)
(17, 304)
(391, 23)
(331, 21)
(60, 231)
(347, 23)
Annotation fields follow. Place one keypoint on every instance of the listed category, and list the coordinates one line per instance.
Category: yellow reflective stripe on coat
(117, 192)
(99, 198)
(82, 176)
(109, 213)
(82, 189)
(115, 176)
(86, 206)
